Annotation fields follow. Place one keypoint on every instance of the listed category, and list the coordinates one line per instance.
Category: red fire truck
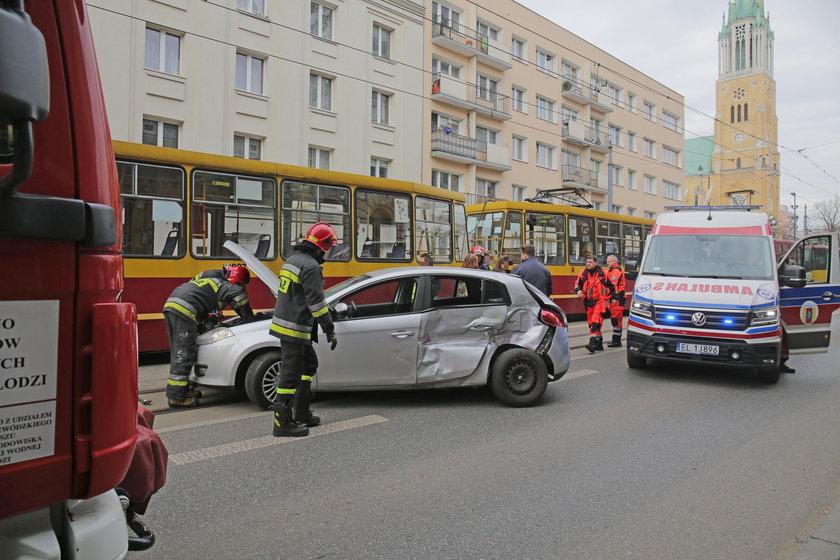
(68, 351)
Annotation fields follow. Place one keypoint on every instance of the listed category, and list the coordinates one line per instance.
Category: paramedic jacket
(199, 297)
(300, 298)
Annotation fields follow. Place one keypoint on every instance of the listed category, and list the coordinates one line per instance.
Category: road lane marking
(267, 441)
(579, 373)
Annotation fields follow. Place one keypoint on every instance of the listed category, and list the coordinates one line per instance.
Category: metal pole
(805, 222)
(610, 180)
(794, 215)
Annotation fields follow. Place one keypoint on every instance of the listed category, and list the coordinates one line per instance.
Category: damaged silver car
(405, 328)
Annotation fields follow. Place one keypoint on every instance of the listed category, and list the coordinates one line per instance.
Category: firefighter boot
(616, 341)
(592, 346)
(283, 424)
(186, 399)
(302, 414)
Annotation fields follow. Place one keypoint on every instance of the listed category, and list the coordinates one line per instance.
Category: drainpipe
(610, 180)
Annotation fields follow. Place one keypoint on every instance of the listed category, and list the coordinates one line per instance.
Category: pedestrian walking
(594, 287)
(532, 270)
(190, 305)
(300, 305)
(616, 276)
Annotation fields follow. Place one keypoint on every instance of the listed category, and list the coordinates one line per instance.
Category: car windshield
(710, 256)
(341, 285)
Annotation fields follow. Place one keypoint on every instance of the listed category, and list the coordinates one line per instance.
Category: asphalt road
(665, 463)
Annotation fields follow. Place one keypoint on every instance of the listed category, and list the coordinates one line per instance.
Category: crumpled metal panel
(458, 342)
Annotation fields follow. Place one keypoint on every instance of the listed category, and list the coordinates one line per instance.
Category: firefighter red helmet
(322, 235)
(237, 274)
(478, 250)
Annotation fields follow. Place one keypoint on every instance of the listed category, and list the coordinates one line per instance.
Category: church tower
(742, 162)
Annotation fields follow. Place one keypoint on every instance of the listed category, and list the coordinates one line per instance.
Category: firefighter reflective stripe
(306, 378)
(320, 312)
(285, 273)
(181, 306)
(212, 282)
(289, 332)
(176, 383)
(238, 301)
(281, 391)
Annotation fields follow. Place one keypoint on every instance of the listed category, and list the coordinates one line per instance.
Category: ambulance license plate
(705, 349)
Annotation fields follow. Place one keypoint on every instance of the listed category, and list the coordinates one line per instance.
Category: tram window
(152, 210)
(608, 239)
(547, 233)
(512, 241)
(486, 230)
(305, 204)
(434, 228)
(631, 238)
(461, 238)
(581, 239)
(383, 226)
(231, 207)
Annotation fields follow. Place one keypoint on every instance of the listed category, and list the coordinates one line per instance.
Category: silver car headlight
(220, 334)
(765, 317)
(642, 308)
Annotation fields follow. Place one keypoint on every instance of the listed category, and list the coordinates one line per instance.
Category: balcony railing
(473, 198)
(579, 175)
(584, 135)
(469, 43)
(586, 95)
(456, 146)
(471, 97)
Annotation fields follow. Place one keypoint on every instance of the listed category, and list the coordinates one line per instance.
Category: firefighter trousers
(298, 365)
(182, 332)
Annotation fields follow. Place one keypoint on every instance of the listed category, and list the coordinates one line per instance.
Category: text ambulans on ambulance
(709, 291)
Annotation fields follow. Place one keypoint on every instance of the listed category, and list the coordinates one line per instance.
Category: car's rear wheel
(519, 377)
(262, 377)
(634, 361)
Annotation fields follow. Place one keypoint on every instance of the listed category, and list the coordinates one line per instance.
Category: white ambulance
(709, 291)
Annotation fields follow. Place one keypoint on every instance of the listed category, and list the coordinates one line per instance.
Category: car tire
(262, 377)
(634, 361)
(519, 377)
(769, 376)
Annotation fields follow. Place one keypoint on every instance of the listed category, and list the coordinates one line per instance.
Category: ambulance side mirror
(793, 276)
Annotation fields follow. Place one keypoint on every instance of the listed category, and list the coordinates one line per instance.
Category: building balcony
(585, 96)
(467, 42)
(463, 149)
(575, 132)
(470, 97)
(574, 176)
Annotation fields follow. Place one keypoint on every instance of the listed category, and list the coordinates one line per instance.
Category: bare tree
(826, 216)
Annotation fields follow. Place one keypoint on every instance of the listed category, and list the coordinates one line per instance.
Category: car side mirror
(340, 310)
(793, 276)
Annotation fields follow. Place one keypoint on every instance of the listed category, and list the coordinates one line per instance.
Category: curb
(824, 543)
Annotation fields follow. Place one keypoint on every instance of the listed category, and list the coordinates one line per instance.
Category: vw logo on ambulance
(698, 319)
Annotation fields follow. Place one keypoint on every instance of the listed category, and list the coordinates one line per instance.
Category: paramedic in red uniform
(594, 286)
(616, 276)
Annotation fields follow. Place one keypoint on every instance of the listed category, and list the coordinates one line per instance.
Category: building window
(321, 21)
(572, 159)
(631, 141)
(617, 209)
(445, 180)
(484, 136)
(597, 205)
(445, 68)
(249, 73)
(746, 111)
(595, 168)
(732, 114)
(650, 111)
(631, 211)
(520, 148)
(570, 73)
(671, 190)
(615, 135)
(518, 97)
(650, 148)
(381, 42)
(445, 16)
(670, 156)
(256, 7)
(379, 103)
(159, 133)
(247, 147)
(617, 176)
(487, 88)
(545, 109)
(670, 121)
(488, 31)
(517, 49)
(319, 158)
(379, 167)
(650, 184)
(546, 61)
(615, 94)
(631, 102)
(320, 92)
(519, 193)
(483, 187)
(569, 114)
(163, 51)
(545, 156)
(631, 180)
(650, 215)
(446, 124)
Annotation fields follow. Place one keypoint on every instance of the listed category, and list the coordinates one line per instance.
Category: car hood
(705, 291)
(256, 266)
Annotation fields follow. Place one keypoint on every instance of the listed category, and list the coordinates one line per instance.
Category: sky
(675, 42)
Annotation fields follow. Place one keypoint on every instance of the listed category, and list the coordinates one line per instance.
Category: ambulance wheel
(634, 361)
(262, 377)
(518, 377)
(769, 376)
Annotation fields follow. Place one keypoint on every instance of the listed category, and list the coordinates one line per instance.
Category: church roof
(698, 155)
(744, 9)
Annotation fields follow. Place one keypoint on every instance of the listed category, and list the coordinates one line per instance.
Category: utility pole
(805, 222)
(610, 180)
(794, 215)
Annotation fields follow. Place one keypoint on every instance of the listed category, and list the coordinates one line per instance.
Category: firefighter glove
(333, 340)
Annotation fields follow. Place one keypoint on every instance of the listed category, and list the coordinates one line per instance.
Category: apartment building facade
(334, 84)
(494, 101)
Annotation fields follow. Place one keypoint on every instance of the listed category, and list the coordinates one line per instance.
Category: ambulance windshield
(710, 256)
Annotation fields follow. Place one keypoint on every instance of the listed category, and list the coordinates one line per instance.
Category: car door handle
(827, 296)
(402, 334)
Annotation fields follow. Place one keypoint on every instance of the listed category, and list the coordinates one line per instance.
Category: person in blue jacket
(532, 270)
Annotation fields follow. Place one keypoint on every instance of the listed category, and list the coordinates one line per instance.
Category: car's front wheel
(519, 377)
(262, 377)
